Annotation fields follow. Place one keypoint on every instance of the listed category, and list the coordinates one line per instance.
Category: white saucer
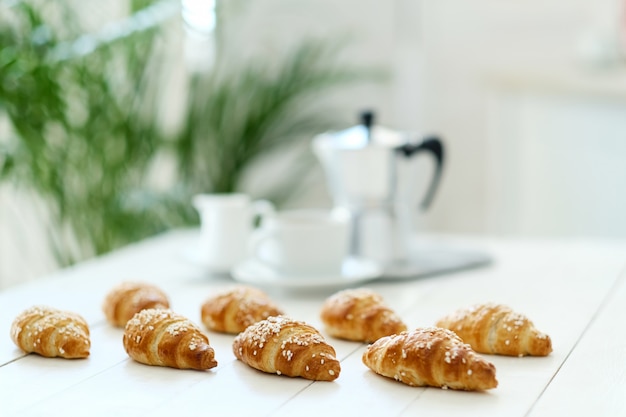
(353, 271)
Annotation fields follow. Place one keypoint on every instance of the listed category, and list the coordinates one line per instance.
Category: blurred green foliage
(85, 127)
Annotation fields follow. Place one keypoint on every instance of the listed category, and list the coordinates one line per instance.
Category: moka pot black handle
(434, 146)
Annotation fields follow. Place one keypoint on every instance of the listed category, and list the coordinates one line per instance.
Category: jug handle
(434, 146)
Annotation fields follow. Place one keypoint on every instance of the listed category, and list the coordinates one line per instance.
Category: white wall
(468, 46)
(558, 163)
(24, 250)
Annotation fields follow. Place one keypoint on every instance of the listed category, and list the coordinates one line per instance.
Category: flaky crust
(430, 357)
(129, 298)
(359, 314)
(163, 338)
(51, 333)
(280, 345)
(233, 310)
(496, 329)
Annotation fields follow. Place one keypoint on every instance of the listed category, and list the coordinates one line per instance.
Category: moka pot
(371, 173)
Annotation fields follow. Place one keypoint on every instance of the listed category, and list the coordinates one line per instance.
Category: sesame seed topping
(331, 372)
(287, 354)
(277, 331)
(37, 321)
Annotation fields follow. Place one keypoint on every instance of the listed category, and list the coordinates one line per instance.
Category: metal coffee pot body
(371, 173)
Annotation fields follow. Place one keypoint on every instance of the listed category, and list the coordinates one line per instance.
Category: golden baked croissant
(495, 328)
(233, 310)
(163, 338)
(430, 356)
(129, 298)
(287, 347)
(360, 315)
(51, 333)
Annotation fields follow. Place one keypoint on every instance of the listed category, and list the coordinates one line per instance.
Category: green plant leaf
(85, 129)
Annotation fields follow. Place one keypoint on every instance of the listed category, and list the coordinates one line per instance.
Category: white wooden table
(574, 290)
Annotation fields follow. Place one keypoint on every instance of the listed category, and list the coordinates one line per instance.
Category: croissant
(495, 328)
(233, 310)
(360, 315)
(430, 357)
(51, 333)
(163, 338)
(287, 347)
(129, 298)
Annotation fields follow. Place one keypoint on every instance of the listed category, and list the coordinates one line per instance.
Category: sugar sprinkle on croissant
(430, 356)
(51, 333)
(129, 298)
(360, 315)
(288, 347)
(234, 309)
(497, 329)
(163, 338)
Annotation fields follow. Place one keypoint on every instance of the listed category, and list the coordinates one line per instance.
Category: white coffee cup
(303, 242)
(226, 222)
